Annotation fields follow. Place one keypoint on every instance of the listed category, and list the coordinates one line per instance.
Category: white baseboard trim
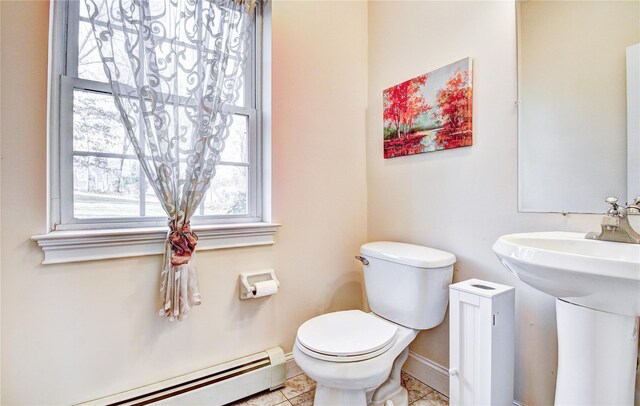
(421, 368)
(431, 373)
(292, 369)
(428, 372)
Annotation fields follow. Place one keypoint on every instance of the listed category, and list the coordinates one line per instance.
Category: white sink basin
(597, 286)
(600, 275)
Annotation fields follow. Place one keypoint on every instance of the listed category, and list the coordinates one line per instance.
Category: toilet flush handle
(362, 259)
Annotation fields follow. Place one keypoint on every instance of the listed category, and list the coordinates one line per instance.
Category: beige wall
(461, 200)
(73, 332)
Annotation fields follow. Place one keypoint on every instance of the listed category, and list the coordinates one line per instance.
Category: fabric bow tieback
(183, 242)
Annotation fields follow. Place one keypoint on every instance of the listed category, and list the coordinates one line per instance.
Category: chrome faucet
(615, 225)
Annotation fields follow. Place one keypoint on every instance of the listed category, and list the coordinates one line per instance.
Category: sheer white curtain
(173, 66)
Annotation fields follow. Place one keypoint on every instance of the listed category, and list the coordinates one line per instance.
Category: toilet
(356, 357)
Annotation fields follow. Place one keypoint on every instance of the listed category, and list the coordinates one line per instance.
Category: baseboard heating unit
(216, 385)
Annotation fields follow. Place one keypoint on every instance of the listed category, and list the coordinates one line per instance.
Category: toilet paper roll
(265, 288)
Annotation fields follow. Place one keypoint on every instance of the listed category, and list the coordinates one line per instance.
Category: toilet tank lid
(408, 254)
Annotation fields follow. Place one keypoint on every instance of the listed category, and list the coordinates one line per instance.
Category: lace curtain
(173, 66)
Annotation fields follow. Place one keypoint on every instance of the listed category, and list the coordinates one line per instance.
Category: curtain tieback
(183, 243)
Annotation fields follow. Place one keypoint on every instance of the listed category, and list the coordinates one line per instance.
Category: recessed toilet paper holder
(248, 282)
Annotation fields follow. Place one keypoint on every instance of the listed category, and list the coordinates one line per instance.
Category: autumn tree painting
(429, 113)
(454, 104)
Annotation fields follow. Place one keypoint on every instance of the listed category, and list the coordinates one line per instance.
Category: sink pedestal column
(597, 356)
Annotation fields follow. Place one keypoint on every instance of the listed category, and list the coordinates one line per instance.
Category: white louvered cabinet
(481, 343)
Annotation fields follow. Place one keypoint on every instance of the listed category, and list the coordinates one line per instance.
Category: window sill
(90, 245)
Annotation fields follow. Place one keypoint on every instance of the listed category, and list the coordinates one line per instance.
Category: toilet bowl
(356, 357)
(344, 381)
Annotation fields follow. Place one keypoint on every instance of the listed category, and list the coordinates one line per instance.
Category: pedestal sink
(597, 290)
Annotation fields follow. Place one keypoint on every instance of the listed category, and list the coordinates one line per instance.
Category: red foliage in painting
(454, 102)
(408, 145)
(403, 103)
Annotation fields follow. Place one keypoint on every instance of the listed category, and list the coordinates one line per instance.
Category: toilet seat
(346, 336)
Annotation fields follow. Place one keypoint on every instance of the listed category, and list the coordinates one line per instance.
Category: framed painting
(429, 113)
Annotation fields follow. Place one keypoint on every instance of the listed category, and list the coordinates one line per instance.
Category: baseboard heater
(217, 385)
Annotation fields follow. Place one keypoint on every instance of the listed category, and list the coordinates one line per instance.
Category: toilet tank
(407, 284)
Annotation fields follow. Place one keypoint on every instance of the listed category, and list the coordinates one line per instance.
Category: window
(99, 203)
(98, 179)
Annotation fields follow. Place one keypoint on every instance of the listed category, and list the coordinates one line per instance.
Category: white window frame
(99, 238)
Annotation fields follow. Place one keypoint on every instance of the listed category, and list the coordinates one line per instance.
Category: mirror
(578, 104)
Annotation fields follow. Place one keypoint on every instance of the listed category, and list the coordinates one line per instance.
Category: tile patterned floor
(300, 390)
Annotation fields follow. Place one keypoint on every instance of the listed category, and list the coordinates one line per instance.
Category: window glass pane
(188, 68)
(167, 50)
(152, 206)
(228, 191)
(97, 126)
(102, 11)
(109, 186)
(240, 93)
(89, 62)
(105, 187)
(240, 100)
(236, 144)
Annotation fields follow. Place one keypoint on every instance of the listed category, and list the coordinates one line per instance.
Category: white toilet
(356, 357)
